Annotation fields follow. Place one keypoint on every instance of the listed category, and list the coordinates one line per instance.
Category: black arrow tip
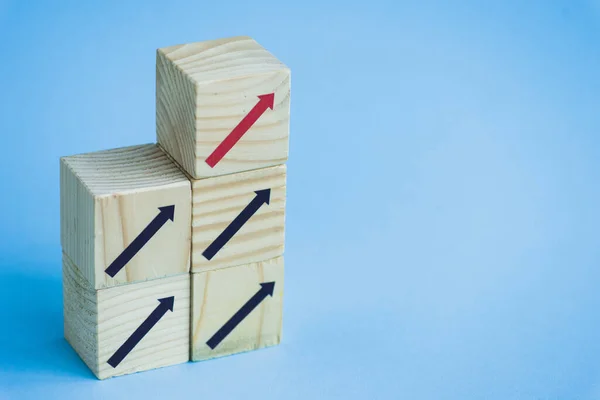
(268, 288)
(168, 212)
(168, 302)
(264, 195)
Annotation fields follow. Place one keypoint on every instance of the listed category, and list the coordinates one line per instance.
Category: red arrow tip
(267, 99)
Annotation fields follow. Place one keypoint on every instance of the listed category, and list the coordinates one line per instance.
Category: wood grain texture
(108, 198)
(217, 295)
(80, 314)
(216, 203)
(204, 89)
(175, 112)
(98, 322)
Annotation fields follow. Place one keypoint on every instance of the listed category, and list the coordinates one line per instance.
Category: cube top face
(127, 169)
(222, 59)
(222, 106)
(237, 309)
(238, 219)
(125, 215)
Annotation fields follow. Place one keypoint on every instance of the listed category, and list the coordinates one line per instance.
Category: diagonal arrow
(165, 305)
(262, 196)
(165, 214)
(266, 289)
(265, 101)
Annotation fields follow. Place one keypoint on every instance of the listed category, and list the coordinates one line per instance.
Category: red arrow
(265, 101)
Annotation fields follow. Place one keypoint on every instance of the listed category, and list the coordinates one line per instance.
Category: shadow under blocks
(37, 307)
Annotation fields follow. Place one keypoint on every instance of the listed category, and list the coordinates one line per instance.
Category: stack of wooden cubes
(174, 251)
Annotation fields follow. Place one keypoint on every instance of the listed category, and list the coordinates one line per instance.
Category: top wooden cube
(222, 106)
(125, 215)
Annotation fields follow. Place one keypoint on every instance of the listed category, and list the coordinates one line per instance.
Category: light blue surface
(443, 235)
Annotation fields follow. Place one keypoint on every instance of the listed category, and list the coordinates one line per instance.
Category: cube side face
(175, 112)
(80, 314)
(122, 310)
(141, 220)
(220, 294)
(232, 108)
(222, 203)
(77, 222)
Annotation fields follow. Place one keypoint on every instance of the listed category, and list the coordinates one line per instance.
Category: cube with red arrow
(222, 106)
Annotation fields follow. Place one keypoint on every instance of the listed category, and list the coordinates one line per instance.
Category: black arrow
(165, 305)
(266, 289)
(262, 196)
(165, 214)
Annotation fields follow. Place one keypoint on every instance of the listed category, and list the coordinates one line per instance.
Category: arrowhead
(268, 288)
(168, 212)
(167, 302)
(267, 99)
(264, 195)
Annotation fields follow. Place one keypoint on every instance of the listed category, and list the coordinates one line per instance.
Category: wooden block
(206, 89)
(238, 200)
(237, 309)
(98, 323)
(128, 207)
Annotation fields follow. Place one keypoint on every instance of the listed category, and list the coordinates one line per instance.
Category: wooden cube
(222, 106)
(237, 309)
(129, 328)
(125, 215)
(238, 219)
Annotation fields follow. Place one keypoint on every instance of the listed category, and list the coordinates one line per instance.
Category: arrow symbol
(262, 196)
(265, 101)
(266, 289)
(165, 214)
(165, 305)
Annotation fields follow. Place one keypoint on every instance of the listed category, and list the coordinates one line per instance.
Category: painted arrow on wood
(165, 214)
(266, 289)
(165, 305)
(262, 196)
(265, 102)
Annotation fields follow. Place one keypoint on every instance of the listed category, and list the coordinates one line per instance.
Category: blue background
(443, 198)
